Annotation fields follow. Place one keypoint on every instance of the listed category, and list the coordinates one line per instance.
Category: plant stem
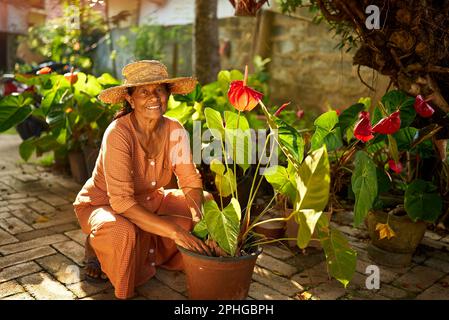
(234, 142)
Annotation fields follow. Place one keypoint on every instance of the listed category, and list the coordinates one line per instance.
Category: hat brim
(182, 85)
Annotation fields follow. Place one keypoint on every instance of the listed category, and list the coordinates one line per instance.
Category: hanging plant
(247, 7)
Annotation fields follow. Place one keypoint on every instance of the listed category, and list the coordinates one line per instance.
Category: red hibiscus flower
(422, 107)
(395, 166)
(363, 130)
(242, 97)
(388, 125)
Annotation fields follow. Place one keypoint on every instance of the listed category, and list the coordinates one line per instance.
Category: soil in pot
(396, 251)
(218, 278)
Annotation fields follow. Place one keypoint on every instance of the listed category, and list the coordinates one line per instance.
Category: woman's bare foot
(92, 265)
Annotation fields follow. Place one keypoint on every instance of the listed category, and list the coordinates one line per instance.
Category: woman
(133, 224)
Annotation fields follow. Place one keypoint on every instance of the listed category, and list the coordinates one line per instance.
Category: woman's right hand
(188, 241)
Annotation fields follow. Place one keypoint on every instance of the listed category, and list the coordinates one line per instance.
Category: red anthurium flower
(44, 70)
(395, 166)
(388, 125)
(338, 111)
(71, 76)
(363, 130)
(242, 97)
(422, 107)
(300, 113)
(278, 111)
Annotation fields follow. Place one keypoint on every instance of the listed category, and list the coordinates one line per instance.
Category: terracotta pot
(397, 251)
(272, 229)
(218, 278)
(78, 166)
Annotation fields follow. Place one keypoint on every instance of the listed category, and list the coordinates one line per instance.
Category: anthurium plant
(229, 228)
(69, 105)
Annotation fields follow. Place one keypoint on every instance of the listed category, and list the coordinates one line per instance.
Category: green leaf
(282, 181)
(422, 201)
(182, 112)
(223, 226)
(48, 101)
(27, 148)
(106, 80)
(313, 181)
(327, 132)
(341, 259)
(404, 138)
(393, 101)
(238, 136)
(215, 123)
(225, 182)
(200, 229)
(11, 116)
(393, 148)
(307, 222)
(364, 185)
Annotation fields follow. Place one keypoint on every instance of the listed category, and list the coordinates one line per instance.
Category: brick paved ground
(41, 251)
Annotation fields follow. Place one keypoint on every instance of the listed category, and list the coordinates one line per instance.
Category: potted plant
(230, 229)
(398, 178)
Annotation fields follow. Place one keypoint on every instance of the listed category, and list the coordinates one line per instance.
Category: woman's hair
(127, 106)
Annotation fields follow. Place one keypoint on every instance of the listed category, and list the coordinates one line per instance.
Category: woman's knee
(114, 226)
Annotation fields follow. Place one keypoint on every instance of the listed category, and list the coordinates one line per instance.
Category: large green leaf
(327, 132)
(106, 80)
(307, 221)
(200, 229)
(282, 181)
(393, 101)
(404, 138)
(27, 148)
(225, 182)
(364, 185)
(341, 259)
(14, 110)
(238, 137)
(181, 112)
(313, 181)
(422, 201)
(223, 226)
(215, 123)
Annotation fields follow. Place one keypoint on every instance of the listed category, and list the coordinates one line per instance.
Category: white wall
(16, 19)
(177, 12)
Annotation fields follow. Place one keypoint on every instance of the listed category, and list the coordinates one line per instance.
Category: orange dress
(125, 176)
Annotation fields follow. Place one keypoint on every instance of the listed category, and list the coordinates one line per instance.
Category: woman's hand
(188, 241)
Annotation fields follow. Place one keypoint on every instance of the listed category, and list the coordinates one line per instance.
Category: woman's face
(149, 101)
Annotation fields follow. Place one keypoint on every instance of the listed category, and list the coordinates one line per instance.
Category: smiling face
(149, 101)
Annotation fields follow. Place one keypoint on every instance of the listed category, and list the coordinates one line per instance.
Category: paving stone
(16, 195)
(61, 268)
(438, 291)
(418, 279)
(20, 296)
(283, 285)
(440, 255)
(313, 276)
(43, 287)
(6, 238)
(387, 274)
(277, 252)
(22, 201)
(107, 295)
(3, 209)
(46, 232)
(14, 207)
(330, 290)
(14, 225)
(83, 289)
(437, 264)
(54, 222)
(9, 288)
(393, 292)
(5, 215)
(310, 258)
(26, 178)
(445, 239)
(41, 207)
(432, 235)
(77, 235)
(27, 215)
(174, 279)
(276, 266)
(25, 256)
(39, 242)
(18, 271)
(53, 199)
(72, 250)
(258, 291)
(435, 244)
(156, 290)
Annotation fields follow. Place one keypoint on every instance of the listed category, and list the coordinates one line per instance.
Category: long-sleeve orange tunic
(125, 176)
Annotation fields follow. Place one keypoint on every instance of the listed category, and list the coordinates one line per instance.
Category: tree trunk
(206, 59)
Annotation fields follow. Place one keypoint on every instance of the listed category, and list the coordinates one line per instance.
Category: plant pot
(218, 278)
(271, 230)
(90, 157)
(397, 251)
(78, 166)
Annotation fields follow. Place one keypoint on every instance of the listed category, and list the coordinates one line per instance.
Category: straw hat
(146, 72)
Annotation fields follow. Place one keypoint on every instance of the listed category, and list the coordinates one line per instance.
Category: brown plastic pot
(218, 278)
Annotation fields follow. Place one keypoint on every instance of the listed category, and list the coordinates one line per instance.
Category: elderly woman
(133, 224)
